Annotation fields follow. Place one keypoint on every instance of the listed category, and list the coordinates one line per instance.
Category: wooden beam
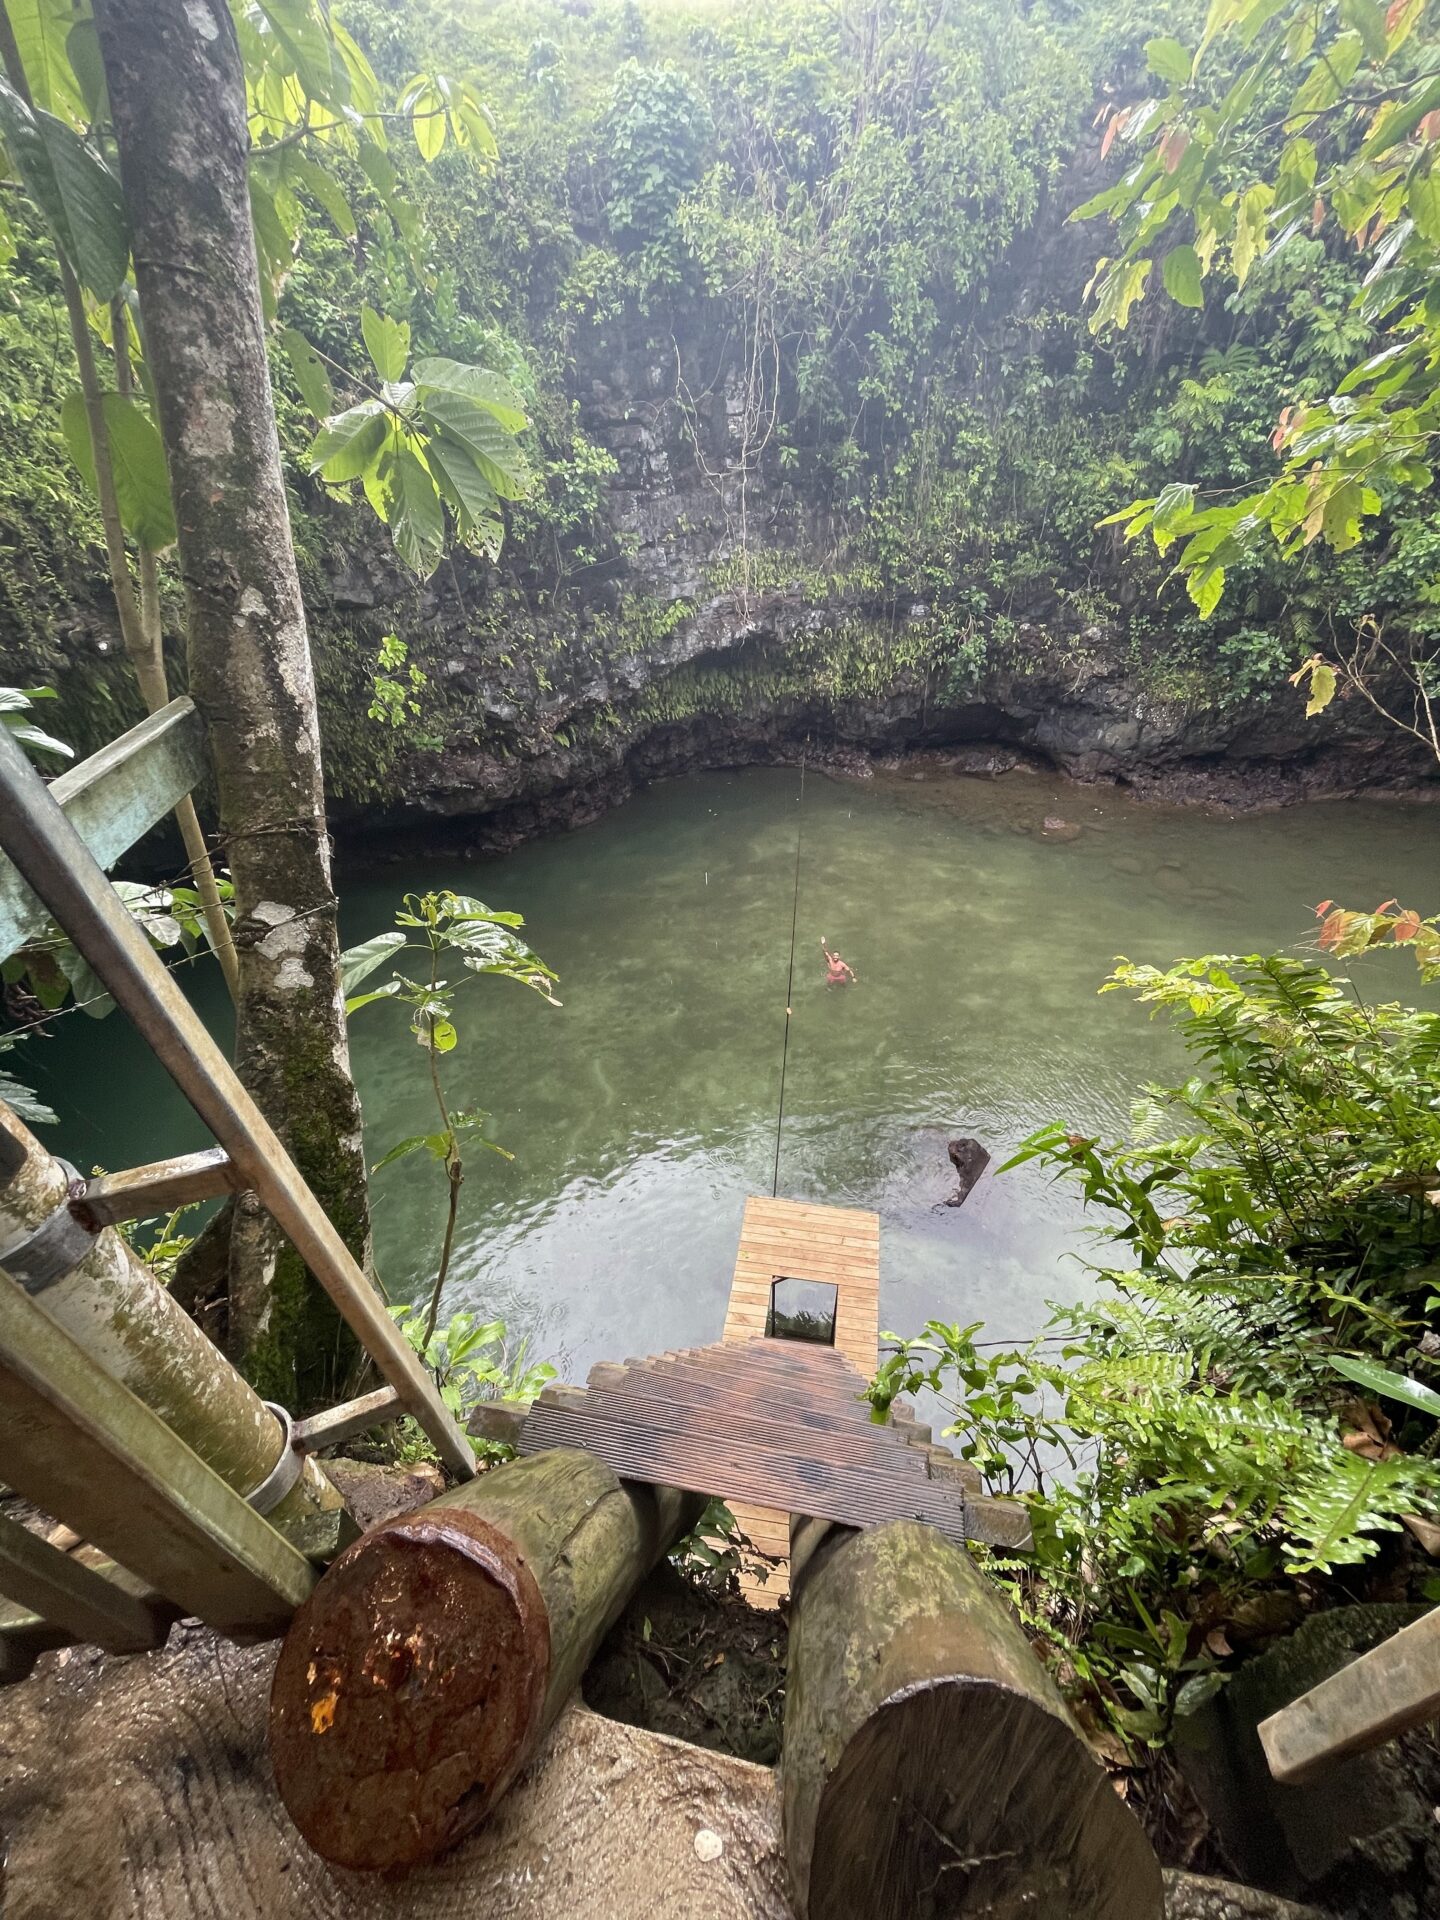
(1393, 1687)
(81, 1446)
(112, 800)
(54, 859)
(328, 1429)
(158, 1188)
(68, 1594)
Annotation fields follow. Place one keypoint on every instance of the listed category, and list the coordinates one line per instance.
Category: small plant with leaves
(16, 707)
(396, 684)
(471, 1362)
(445, 929)
(1248, 1409)
(443, 437)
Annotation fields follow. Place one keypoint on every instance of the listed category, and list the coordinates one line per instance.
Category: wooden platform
(836, 1245)
(776, 1426)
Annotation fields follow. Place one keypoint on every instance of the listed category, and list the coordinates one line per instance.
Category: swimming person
(838, 973)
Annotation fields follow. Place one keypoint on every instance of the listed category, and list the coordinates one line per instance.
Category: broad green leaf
(349, 443)
(300, 29)
(82, 44)
(1122, 287)
(1368, 20)
(358, 1000)
(1322, 689)
(387, 342)
(473, 126)
(137, 462)
(381, 174)
(74, 189)
(364, 88)
(1328, 78)
(461, 481)
(1398, 119)
(358, 963)
(26, 1104)
(1251, 217)
(434, 1144)
(1401, 18)
(427, 122)
(1423, 200)
(417, 523)
(1392, 1386)
(493, 393)
(1168, 60)
(1205, 587)
(29, 735)
(311, 374)
(495, 452)
(325, 190)
(41, 29)
(1181, 273)
(274, 238)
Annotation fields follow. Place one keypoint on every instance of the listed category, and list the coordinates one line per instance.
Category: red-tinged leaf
(1394, 14)
(1429, 128)
(1172, 148)
(1333, 931)
(1317, 215)
(1323, 908)
(1117, 125)
(1283, 427)
(1407, 925)
(1385, 905)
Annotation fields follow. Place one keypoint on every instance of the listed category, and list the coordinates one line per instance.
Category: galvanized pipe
(113, 1305)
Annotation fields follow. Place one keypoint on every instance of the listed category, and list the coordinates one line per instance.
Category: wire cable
(790, 978)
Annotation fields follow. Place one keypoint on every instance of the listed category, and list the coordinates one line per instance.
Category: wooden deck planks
(839, 1246)
(777, 1426)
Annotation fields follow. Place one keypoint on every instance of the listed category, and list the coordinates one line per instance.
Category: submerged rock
(969, 1160)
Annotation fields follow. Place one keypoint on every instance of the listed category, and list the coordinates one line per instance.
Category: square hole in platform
(802, 1310)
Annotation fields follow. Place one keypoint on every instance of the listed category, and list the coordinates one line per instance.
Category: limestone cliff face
(716, 622)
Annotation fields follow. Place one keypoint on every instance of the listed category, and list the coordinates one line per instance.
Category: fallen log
(930, 1769)
(423, 1671)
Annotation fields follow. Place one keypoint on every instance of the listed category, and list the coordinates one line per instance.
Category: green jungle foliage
(845, 227)
(1242, 1420)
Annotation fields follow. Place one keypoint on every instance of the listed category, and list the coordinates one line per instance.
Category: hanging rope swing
(790, 977)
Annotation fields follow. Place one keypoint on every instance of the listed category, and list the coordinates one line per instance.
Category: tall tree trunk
(177, 98)
(139, 620)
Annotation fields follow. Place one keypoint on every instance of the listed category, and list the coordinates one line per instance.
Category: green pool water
(643, 1111)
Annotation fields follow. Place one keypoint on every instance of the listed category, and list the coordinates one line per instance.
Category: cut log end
(410, 1689)
(990, 1807)
(931, 1771)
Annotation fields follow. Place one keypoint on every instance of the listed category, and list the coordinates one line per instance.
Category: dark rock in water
(969, 1160)
(1058, 829)
(1361, 1840)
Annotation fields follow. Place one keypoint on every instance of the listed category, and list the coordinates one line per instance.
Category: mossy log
(930, 1770)
(422, 1672)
